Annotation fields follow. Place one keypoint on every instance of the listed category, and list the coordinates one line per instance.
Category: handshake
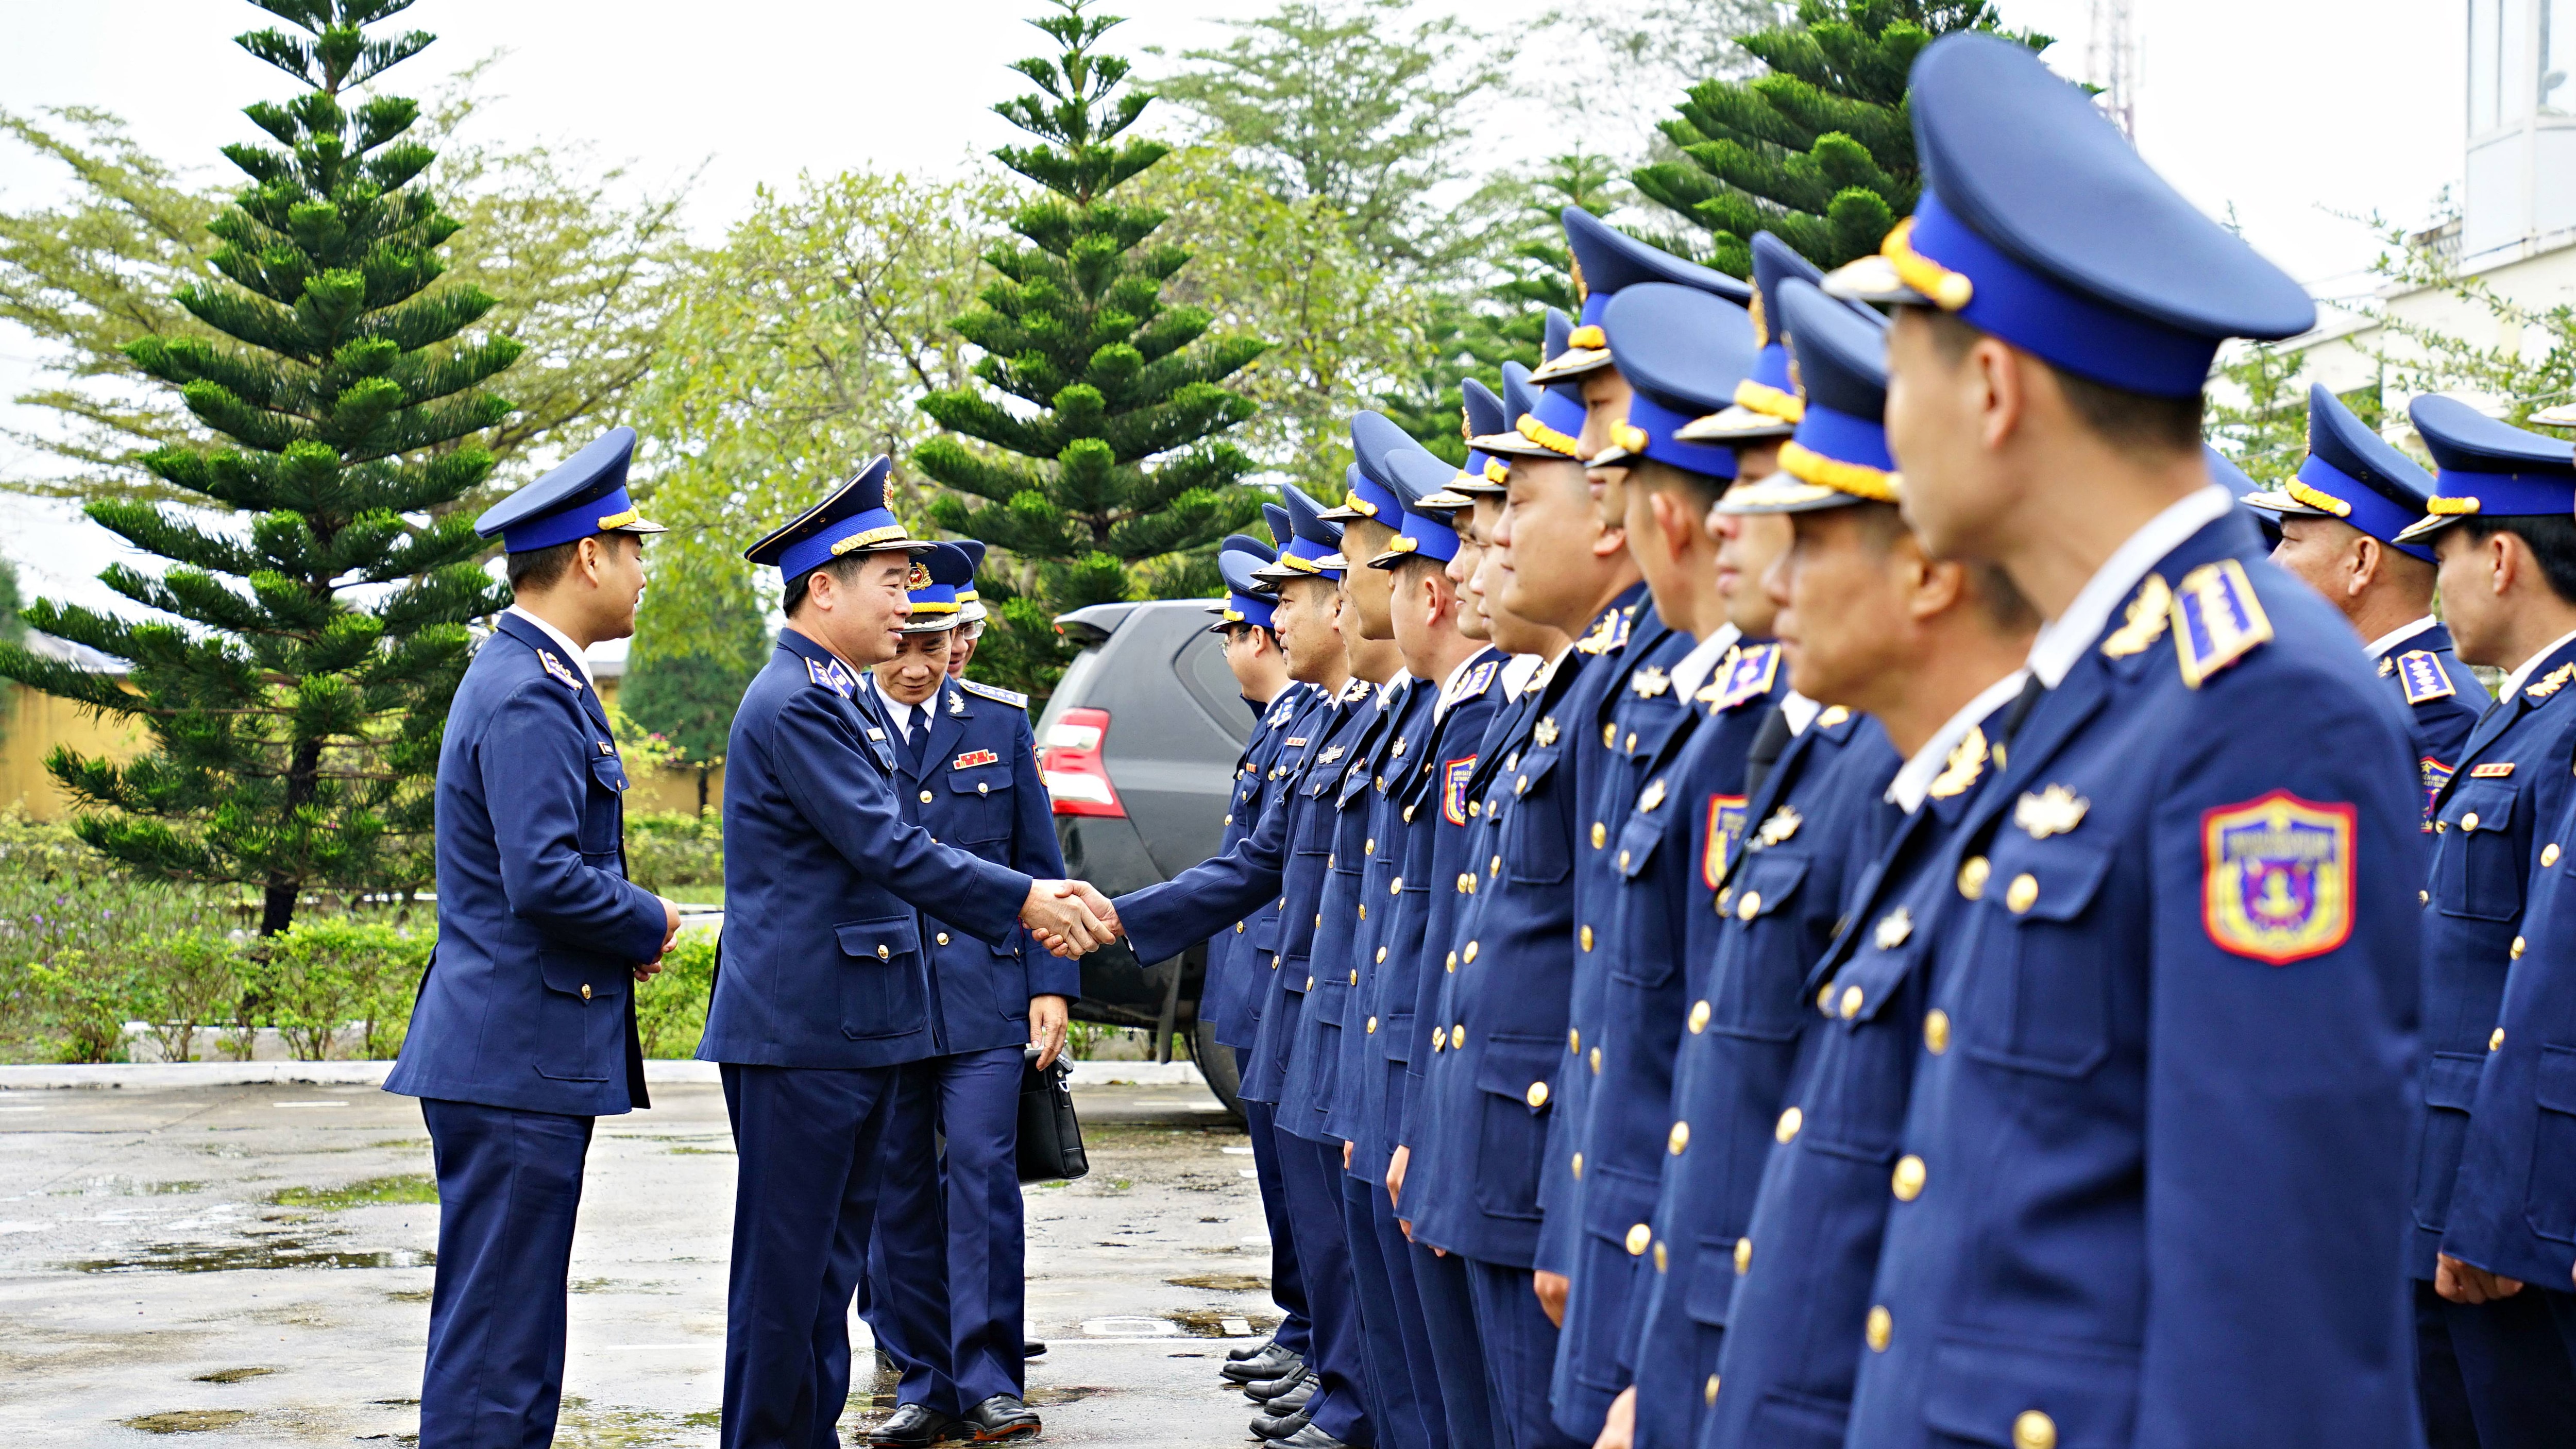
(1068, 917)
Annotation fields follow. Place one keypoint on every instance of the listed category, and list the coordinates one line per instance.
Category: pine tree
(1113, 481)
(1819, 151)
(295, 712)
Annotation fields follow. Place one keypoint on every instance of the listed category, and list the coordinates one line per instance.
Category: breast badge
(2277, 877)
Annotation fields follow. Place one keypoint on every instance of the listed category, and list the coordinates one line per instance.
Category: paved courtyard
(251, 1265)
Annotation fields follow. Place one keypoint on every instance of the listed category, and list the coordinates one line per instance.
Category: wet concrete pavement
(251, 1265)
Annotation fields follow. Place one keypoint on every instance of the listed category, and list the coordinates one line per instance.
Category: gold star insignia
(2053, 811)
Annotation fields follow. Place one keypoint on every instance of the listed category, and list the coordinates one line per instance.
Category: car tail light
(1069, 760)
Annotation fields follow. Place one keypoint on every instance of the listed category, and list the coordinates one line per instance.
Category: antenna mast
(2111, 62)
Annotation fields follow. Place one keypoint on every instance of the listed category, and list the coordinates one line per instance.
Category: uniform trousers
(963, 1230)
(809, 1173)
(1295, 1332)
(1520, 1356)
(1449, 1318)
(1672, 1385)
(509, 1185)
(1311, 1173)
(1400, 1381)
(2494, 1375)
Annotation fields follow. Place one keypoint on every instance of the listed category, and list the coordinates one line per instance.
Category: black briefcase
(1050, 1135)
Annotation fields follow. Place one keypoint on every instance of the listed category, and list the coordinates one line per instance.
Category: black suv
(1138, 746)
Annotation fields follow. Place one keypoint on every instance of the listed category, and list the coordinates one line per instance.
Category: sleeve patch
(2277, 877)
(1725, 830)
(2425, 678)
(2216, 620)
(2436, 775)
(1454, 776)
(1011, 697)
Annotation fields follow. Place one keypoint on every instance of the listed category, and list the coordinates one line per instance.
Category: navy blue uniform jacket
(976, 787)
(2442, 700)
(530, 1002)
(823, 963)
(1230, 951)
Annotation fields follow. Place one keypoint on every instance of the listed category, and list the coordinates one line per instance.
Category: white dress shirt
(579, 660)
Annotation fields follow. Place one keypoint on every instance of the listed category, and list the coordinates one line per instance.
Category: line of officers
(1728, 943)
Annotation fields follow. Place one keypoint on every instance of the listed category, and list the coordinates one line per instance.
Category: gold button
(1600, 834)
(2495, 1040)
(1229, 819)
(2517, 948)
(2469, 821)
(1587, 940)
(2549, 854)
(1877, 1328)
(1787, 1130)
(1381, 955)
(983, 789)
(1520, 784)
(1851, 1003)
(1332, 862)
(943, 938)
(2022, 894)
(1310, 983)
(1699, 1017)
(1574, 1040)
(1662, 1263)
(1972, 876)
(2034, 1430)
(1578, 1167)
(1369, 846)
(1536, 1095)
(883, 954)
(1632, 742)
(2423, 898)
(1610, 733)
(1319, 920)
(1494, 866)
(1466, 882)
(1708, 1395)
(1725, 902)
(1439, 1039)
(1638, 1237)
(1678, 1139)
(1363, 910)
(585, 991)
(1238, 928)
(1372, 1026)
(1908, 1181)
(1623, 860)
(1395, 887)
(1458, 1035)
(1470, 957)
(1474, 807)
(1748, 905)
(1936, 1031)
(1825, 998)
(925, 797)
(1355, 976)
(1743, 1256)
(1453, 962)
(1596, 1061)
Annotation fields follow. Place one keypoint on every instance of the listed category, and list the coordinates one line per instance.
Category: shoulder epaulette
(2216, 620)
(1748, 675)
(1011, 697)
(832, 676)
(2425, 678)
(1478, 680)
(559, 669)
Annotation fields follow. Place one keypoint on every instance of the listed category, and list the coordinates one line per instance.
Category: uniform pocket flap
(983, 781)
(1522, 1068)
(1532, 769)
(2451, 1080)
(578, 973)
(2019, 1394)
(1871, 980)
(1767, 881)
(1637, 840)
(2056, 879)
(879, 940)
(2486, 805)
(2554, 1085)
(1645, 738)
(610, 771)
(1616, 1202)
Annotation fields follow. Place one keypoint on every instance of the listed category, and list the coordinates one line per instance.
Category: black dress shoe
(1309, 1437)
(998, 1418)
(915, 1426)
(1250, 1350)
(1032, 1349)
(1280, 1426)
(1267, 1362)
(1265, 1390)
(1292, 1402)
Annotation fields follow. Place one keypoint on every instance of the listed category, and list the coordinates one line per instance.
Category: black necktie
(1768, 741)
(2031, 690)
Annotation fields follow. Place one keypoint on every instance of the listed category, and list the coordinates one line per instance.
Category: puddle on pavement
(236, 1375)
(619, 1285)
(1222, 1282)
(610, 1426)
(1211, 1322)
(113, 1186)
(1049, 1398)
(187, 1421)
(408, 1187)
(271, 1252)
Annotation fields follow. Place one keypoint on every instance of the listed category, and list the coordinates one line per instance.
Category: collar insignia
(832, 676)
(1784, 822)
(1545, 732)
(2144, 624)
(1650, 681)
(2550, 683)
(1893, 928)
(1832, 715)
(2216, 620)
(1478, 680)
(1967, 761)
(1330, 754)
(957, 704)
(559, 669)
(2387, 666)
(2053, 811)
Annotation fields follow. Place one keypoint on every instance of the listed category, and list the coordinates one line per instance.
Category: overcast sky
(2288, 110)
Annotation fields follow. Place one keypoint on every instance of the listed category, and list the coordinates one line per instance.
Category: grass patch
(408, 1187)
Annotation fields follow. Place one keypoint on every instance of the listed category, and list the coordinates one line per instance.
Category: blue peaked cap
(1839, 454)
(1483, 413)
(852, 518)
(1607, 261)
(2039, 224)
(2488, 468)
(941, 584)
(1313, 549)
(585, 494)
(1372, 496)
(1276, 518)
(1545, 421)
(1246, 598)
(1682, 352)
(1419, 474)
(2351, 473)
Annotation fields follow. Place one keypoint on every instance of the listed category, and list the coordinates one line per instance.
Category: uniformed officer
(966, 773)
(2511, 1232)
(971, 613)
(825, 987)
(1769, 1293)
(2339, 519)
(1681, 352)
(1286, 859)
(524, 1030)
(2493, 1371)
(2154, 1174)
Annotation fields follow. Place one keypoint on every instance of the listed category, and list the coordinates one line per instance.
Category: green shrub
(669, 848)
(183, 984)
(671, 1009)
(326, 972)
(57, 898)
(82, 1008)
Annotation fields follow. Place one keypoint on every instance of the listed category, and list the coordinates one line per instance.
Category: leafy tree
(1819, 150)
(295, 708)
(688, 697)
(1112, 470)
(2531, 364)
(1609, 79)
(12, 630)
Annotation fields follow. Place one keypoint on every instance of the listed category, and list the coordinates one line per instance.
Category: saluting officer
(2339, 520)
(825, 988)
(524, 1031)
(2145, 1191)
(966, 772)
(2493, 1369)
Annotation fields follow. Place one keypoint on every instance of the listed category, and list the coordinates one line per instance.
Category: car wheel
(1216, 1063)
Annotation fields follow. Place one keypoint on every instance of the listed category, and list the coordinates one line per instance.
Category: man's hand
(2466, 1283)
(1395, 1170)
(670, 933)
(1619, 1431)
(1046, 1028)
(1551, 1289)
(1062, 920)
(1346, 1157)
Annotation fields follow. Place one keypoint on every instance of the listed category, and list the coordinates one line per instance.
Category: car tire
(1216, 1064)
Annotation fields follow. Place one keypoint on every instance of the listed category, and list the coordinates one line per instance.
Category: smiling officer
(525, 1027)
